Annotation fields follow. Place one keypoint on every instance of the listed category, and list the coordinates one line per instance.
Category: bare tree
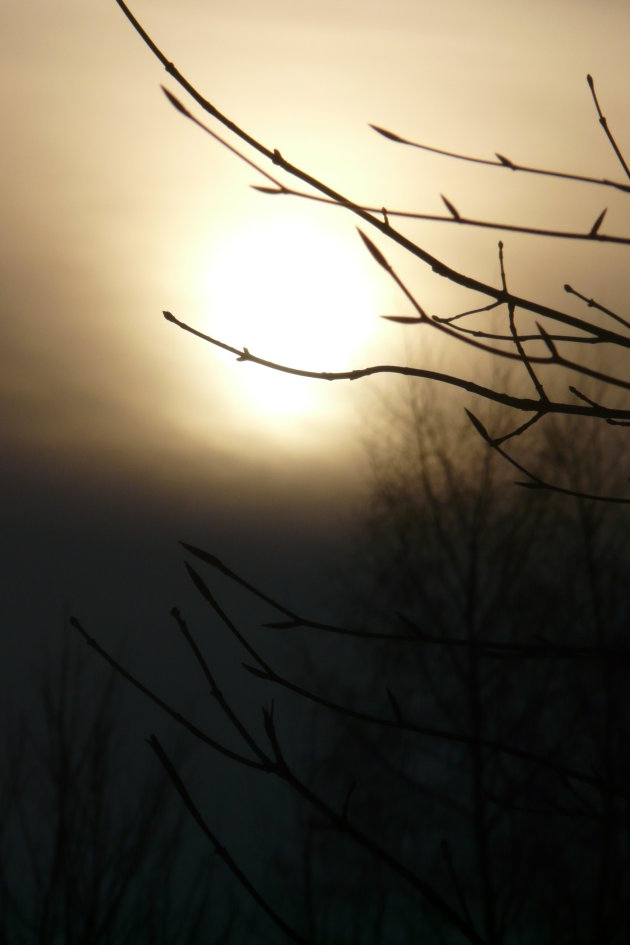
(472, 627)
(468, 777)
(92, 850)
(504, 694)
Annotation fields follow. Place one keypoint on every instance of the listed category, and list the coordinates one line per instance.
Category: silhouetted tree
(481, 704)
(91, 850)
(505, 688)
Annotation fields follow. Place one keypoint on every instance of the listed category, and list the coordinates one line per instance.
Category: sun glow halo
(293, 293)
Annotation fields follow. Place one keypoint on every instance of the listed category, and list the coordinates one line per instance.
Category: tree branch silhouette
(501, 772)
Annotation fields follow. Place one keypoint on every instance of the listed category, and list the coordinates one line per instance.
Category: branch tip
(267, 190)
(479, 427)
(598, 222)
(451, 208)
(175, 102)
(387, 134)
(505, 161)
(547, 339)
(203, 555)
(374, 250)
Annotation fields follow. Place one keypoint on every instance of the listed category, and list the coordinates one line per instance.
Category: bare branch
(474, 222)
(536, 482)
(526, 361)
(153, 697)
(216, 691)
(278, 186)
(439, 734)
(294, 620)
(526, 404)
(593, 304)
(604, 125)
(437, 265)
(219, 849)
(503, 162)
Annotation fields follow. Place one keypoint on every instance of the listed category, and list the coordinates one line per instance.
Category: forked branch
(383, 225)
(584, 331)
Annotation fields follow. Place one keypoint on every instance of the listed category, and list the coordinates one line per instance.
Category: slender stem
(503, 162)
(440, 734)
(219, 849)
(535, 482)
(526, 361)
(600, 308)
(177, 716)
(216, 691)
(460, 220)
(345, 827)
(294, 620)
(604, 125)
(527, 404)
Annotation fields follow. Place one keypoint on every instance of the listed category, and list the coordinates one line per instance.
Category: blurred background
(123, 435)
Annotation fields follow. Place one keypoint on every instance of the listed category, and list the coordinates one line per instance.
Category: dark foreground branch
(219, 849)
(525, 404)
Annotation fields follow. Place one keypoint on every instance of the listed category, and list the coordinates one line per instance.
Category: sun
(293, 292)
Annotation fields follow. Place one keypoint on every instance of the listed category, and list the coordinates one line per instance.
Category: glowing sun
(293, 293)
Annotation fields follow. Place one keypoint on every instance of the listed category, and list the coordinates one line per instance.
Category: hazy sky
(122, 434)
(115, 208)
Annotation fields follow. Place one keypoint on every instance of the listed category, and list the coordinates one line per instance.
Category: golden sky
(115, 208)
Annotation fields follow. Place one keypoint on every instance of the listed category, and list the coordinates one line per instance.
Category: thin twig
(475, 222)
(604, 124)
(526, 361)
(401, 723)
(150, 694)
(520, 429)
(216, 691)
(593, 304)
(449, 319)
(490, 648)
(264, 671)
(175, 102)
(205, 592)
(536, 482)
(347, 828)
(294, 620)
(545, 649)
(219, 849)
(503, 162)
(526, 404)
(512, 323)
